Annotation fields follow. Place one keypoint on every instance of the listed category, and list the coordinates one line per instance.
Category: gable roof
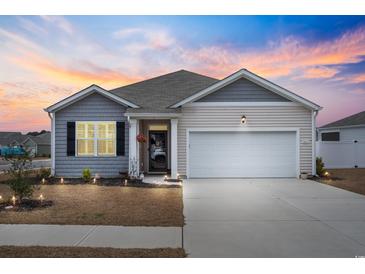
(244, 73)
(8, 138)
(85, 92)
(353, 120)
(41, 139)
(155, 95)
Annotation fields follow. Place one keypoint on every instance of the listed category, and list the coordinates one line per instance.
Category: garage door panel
(242, 154)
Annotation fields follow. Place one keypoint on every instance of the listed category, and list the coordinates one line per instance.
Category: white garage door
(242, 154)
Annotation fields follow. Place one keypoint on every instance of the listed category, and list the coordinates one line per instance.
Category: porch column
(174, 148)
(133, 143)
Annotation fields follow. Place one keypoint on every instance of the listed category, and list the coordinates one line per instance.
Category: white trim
(132, 142)
(173, 130)
(243, 73)
(85, 92)
(151, 116)
(314, 169)
(53, 142)
(245, 129)
(241, 104)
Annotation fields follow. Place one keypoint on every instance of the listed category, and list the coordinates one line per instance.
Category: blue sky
(45, 58)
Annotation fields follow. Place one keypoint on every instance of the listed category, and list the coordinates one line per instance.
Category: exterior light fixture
(243, 119)
(41, 198)
(13, 199)
(326, 174)
(1, 197)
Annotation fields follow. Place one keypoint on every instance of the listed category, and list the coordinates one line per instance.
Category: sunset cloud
(47, 58)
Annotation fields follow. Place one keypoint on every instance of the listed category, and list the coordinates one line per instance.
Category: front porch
(158, 154)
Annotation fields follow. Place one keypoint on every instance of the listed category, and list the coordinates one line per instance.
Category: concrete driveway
(272, 218)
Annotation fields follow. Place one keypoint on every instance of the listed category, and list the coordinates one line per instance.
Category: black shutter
(70, 138)
(120, 138)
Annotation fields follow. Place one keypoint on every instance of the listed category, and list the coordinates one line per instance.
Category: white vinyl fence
(345, 154)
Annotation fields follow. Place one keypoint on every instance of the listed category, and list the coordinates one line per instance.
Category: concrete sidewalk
(91, 236)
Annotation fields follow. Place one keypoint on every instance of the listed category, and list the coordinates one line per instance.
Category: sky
(47, 58)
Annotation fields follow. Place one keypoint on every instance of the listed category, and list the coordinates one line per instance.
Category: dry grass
(102, 205)
(352, 179)
(87, 252)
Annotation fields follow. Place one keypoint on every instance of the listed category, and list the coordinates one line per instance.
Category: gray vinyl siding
(243, 90)
(94, 107)
(229, 117)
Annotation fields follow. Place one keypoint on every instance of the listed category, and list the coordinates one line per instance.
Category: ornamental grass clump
(321, 171)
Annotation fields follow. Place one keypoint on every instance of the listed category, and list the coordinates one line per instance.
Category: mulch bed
(352, 179)
(87, 252)
(99, 182)
(25, 205)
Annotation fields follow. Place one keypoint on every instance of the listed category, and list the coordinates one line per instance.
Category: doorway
(158, 153)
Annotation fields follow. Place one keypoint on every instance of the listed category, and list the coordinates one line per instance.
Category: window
(96, 138)
(330, 136)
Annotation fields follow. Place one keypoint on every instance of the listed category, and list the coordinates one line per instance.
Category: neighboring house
(195, 126)
(341, 144)
(39, 145)
(11, 139)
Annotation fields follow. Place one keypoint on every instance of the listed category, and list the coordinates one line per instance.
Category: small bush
(44, 173)
(86, 174)
(19, 172)
(320, 167)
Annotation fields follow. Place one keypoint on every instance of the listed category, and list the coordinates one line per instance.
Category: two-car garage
(239, 154)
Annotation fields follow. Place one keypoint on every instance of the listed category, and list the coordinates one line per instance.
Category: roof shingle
(353, 120)
(155, 95)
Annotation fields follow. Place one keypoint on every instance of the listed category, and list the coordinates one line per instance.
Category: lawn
(352, 179)
(101, 205)
(87, 252)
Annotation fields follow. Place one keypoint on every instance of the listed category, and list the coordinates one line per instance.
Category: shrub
(44, 173)
(320, 167)
(86, 174)
(19, 172)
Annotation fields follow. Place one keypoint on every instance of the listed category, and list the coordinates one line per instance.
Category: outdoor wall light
(243, 119)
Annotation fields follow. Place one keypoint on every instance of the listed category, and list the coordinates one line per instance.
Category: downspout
(52, 142)
(314, 131)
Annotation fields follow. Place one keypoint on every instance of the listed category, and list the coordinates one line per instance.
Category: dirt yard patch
(102, 205)
(352, 179)
(87, 252)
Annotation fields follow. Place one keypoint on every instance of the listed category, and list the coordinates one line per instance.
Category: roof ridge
(163, 75)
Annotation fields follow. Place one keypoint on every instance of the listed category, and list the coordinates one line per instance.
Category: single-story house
(39, 145)
(10, 138)
(187, 124)
(341, 144)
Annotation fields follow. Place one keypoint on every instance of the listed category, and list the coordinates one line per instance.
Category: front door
(157, 151)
